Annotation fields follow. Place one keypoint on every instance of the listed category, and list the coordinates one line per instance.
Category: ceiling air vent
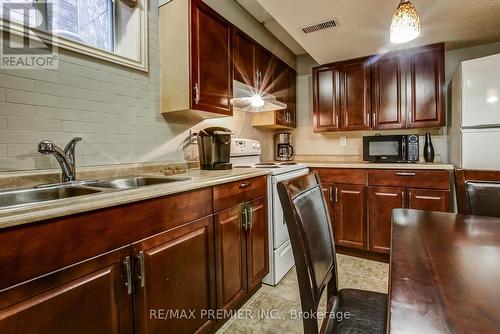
(320, 26)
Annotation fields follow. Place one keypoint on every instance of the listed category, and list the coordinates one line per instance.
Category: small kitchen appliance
(393, 148)
(214, 147)
(283, 149)
(245, 153)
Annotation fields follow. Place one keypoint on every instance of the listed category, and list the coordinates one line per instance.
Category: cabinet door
(244, 59)
(174, 272)
(381, 202)
(211, 60)
(326, 93)
(424, 86)
(350, 216)
(230, 258)
(257, 244)
(388, 92)
(355, 95)
(88, 297)
(431, 200)
(281, 93)
(328, 190)
(291, 100)
(266, 67)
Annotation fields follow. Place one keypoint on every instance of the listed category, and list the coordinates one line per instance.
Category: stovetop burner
(265, 164)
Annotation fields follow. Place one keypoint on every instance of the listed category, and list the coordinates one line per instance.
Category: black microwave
(396, 148)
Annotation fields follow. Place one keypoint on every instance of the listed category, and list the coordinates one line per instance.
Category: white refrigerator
(474, 127)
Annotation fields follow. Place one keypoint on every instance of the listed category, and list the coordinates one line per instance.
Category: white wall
(328, 144)
(116, 110)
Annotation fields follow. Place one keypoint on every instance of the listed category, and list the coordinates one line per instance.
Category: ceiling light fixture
(405, 25)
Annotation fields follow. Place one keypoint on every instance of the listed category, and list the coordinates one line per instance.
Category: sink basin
(136, 182)
(10, 198)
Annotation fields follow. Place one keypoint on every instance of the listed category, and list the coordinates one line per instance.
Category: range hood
(249, 99)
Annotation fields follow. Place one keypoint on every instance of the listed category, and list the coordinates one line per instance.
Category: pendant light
(405, 25)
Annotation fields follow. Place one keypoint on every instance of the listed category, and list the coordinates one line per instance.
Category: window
(110, 29)
(86, 21)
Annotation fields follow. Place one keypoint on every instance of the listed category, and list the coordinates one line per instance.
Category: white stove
(245, 153)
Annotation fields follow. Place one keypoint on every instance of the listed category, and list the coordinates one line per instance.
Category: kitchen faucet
(65, 158)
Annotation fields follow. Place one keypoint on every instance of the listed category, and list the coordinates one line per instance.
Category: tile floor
(271, 309)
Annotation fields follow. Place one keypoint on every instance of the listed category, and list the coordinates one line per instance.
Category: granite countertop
(52, 209)
(367, 165)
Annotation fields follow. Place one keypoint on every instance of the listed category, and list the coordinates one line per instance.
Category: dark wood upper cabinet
(88, 297)
(245, 68)
(350, 215)
(166, 280)
(326, 99)
(211, 60)
(388, 92)
(266, 67)
(355, 94)
(381, 202)
(424, 86)
(398, 90)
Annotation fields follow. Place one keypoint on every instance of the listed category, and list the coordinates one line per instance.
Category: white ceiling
(261, 15)
(364, 24)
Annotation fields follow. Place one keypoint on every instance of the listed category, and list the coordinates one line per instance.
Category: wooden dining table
(444, 273)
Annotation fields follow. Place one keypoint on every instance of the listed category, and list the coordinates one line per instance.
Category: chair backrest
(311, 236)
(478, 192)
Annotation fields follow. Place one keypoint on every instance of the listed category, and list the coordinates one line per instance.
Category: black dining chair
(478, 192)
(311, 235)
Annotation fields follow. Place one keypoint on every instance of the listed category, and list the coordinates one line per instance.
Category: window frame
(68, 44)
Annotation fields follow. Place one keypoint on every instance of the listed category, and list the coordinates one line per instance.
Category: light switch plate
(343, 140)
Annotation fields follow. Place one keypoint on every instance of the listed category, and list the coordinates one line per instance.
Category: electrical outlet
(343, 140)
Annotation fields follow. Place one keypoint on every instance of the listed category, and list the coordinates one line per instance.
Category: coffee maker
(283, 149)
(214, 147)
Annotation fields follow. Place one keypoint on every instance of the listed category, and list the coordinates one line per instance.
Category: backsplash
(115, 109)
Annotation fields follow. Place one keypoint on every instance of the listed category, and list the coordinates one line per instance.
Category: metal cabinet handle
(250, 217)
(405, 174)
(128, 269)
(142, 276)
(330, 193)
(337, 121)
(196, 93)
(244, 185)
(244, 216)
(336, 195)
(403, 201)
(374, 119)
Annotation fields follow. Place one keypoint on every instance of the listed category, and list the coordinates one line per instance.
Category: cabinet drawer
(231, 194)
(410, 178)
(342, 176)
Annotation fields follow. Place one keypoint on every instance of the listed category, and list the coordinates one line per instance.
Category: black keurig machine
(214, 147)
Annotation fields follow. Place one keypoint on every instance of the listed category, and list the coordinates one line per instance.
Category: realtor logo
(26, 41)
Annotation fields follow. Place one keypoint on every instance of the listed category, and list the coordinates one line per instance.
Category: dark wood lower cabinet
(431, 200)
(175, 280)
(230, 258)
(257, 244)
(88, 297)
(241, 252)
(350, 215)
(381, 202)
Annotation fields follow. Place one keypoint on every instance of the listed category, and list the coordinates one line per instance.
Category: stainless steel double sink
(44, 193)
